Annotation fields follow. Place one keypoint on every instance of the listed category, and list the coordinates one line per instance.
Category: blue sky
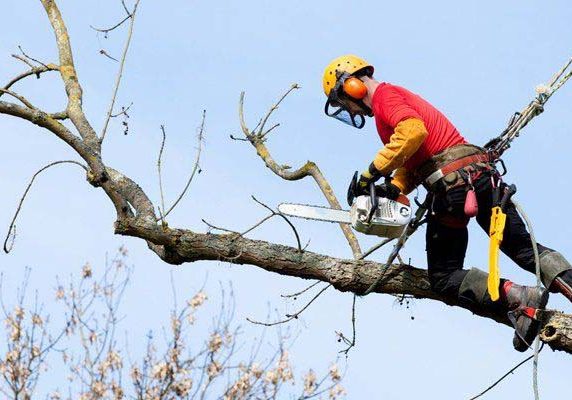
(477, 61)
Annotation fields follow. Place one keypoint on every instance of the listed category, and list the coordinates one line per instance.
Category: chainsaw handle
(374, 201)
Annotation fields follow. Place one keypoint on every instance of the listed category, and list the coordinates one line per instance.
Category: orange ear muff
(355, 88)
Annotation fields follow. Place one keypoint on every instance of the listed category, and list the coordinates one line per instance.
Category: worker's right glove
(387, 190)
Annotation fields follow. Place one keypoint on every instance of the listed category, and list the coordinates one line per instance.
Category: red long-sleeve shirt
(393, 104)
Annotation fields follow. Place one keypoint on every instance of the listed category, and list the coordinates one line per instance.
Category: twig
(125, 7)
(505, 375)
(196, 167)
(375, 248)
(261, 132)
(238, 138)
(123, 111)
(162, 208)
(256, 225)
(29, 58)
(106, 54)
(219, 228)
(351, 343)
(290, 317)
(107, 30)
(12, 227)
(294, 295)
(285, 219)
(120, 72)
(269, 130)
(22, 99)
(24, 60)
(33, 71)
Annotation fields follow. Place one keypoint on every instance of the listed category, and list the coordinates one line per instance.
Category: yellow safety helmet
(349, 64)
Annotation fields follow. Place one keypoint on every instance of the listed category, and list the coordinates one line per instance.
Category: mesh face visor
(338, 105)
(341, 114)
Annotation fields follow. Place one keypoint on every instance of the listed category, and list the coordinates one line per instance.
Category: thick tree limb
(345, 275)
(69, 77)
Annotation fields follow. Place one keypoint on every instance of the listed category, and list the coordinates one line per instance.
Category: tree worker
(422, 147)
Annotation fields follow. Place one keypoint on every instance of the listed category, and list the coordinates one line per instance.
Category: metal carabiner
(501, 162)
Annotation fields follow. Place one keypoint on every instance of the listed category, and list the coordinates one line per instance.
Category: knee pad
(552, 264)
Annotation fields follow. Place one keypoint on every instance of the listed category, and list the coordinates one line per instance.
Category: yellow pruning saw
(498, 221)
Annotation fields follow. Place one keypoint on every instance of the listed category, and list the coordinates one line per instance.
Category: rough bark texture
(136, 216)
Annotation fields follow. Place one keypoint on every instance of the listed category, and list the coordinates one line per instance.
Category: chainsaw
(370, 213)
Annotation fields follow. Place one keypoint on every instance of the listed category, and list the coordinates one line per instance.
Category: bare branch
(27, 57)
(12, 227)
(24, 60)
(290, 317)
(107, 30)
(44, 120)
(351, 343)
(106, 54)
(261, 132)
(123, 111)
(22, 99)
(120, 72)
(308, 169)
(33, 71)
(159, 160)
(219, 228)
(374, 248)
(505, 375)
(72, 85)
(196, 166)
(294, 295)
(278, 213)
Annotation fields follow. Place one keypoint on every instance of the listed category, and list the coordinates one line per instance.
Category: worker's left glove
(366, 178)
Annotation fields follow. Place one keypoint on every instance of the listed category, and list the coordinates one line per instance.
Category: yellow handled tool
(498, 222)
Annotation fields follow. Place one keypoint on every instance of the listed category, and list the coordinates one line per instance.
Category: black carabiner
(501, 162)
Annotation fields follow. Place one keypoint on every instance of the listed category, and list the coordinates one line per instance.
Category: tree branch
(12, 227)
(343, 274)
(196, 167)
(33, 71)
(309, 169)
(71, 82)
(120, 72)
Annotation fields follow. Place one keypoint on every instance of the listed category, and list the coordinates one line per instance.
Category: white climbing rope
(538, 284)
(519, 120)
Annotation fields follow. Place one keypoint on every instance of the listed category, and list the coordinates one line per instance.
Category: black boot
(522, 302)
(563, 284)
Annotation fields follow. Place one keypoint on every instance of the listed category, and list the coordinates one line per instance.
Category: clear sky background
(476, 61)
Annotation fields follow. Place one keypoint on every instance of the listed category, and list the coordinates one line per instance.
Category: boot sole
(532, 331)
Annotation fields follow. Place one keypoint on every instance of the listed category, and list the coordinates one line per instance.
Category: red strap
(463, 162)
(530, 312)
